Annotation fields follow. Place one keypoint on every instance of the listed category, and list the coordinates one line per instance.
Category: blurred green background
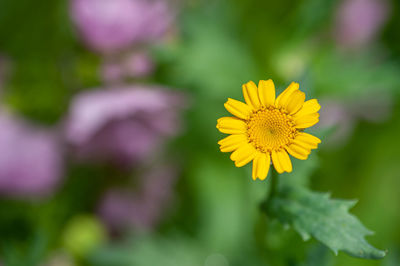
(344, 53)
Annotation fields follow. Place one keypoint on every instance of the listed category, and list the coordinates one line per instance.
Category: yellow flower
(266, 128)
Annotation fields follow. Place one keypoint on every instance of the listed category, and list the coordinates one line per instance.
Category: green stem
(273, 187)
(264, 206)
(274, 184)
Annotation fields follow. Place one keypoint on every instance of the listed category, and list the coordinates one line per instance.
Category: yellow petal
(266, 92)
(309, 138)
(284, 161)
(250, 94)
(309, 107)
(231, 125)
(284, 97)
(256, 166)
(306, 121)
(232, 142)
(276, 162)
(243, 155)
(295, 102)
(307, 141)
(261, 165)
(304, 145)
(297, 152)
(238, 108)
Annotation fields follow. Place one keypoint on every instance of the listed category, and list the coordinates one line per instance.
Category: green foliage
(148, 250)
(315, 214)
(328, 220)
(220, 44)
(355, 76)
(211, 45)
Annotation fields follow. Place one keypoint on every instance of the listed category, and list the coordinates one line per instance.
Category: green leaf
(327, 220)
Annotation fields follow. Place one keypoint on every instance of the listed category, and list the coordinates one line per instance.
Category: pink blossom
(123, 208)
(30, 159)
(358, 22)
(133, 65)
(109, 26)
(123, 124)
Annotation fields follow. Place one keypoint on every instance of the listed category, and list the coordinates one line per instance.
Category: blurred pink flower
(109, 26)
(358, 22)
(122, 125)
(138, 65)
(112, 72)
(133, 65)
(123, 208)
(30, 159)
(343, 116)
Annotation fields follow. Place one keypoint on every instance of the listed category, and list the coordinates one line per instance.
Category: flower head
(265, 128)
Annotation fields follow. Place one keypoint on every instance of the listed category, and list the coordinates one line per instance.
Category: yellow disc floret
(270, 129)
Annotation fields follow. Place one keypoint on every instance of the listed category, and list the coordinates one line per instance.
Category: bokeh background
(108, 145)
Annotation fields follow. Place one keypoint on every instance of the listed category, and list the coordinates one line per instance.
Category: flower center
(270, 129)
